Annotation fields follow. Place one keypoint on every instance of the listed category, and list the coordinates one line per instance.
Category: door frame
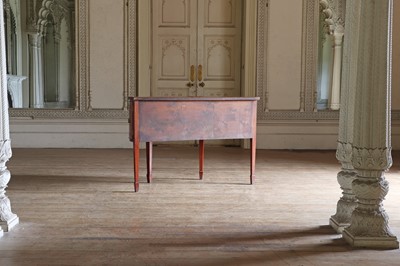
(249, 48)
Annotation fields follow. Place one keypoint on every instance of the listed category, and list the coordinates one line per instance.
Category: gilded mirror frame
(83, 94)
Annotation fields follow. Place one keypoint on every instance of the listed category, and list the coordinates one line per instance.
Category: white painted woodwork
(337, 70)
(36, 99)
(396, 56)
(347, 174)
(284, 54)
(107, 77)
(194, 37)
(371, 145)
(7, 218)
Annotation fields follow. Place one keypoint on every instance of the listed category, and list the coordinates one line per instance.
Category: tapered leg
(201, 158)
(252, 160)
(149, 158)
(136, 164)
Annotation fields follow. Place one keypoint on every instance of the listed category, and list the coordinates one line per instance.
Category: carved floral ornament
(378, 159)
(334, 11)
(39, 14)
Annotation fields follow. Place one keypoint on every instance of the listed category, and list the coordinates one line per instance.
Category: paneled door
(196, 48)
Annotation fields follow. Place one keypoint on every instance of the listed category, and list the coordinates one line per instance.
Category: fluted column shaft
(371, 144)
(337, 69)
(36, 99)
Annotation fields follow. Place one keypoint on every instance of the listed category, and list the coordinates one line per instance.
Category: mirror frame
(83, 107)
(308, 95)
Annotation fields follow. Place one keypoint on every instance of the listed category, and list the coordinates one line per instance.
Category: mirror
(40, 52)
(325, 62)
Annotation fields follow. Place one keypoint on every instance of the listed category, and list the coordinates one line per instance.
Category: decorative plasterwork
(82, 109)
(58, 9)
(308, 95)
(6, 214)
(378, 159)
(335, 11)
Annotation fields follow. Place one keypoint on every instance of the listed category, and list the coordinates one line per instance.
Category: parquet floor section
(77, 207)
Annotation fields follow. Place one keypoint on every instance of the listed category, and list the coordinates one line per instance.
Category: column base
(338, 227)
(384, 242)
(1, 233)
(335, 106)
(8, 225)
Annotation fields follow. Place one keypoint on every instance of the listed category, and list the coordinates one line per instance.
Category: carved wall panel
(174, 52)
(220, 58)
(220, 13)
(174, 13)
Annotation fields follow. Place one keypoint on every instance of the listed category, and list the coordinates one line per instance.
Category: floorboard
(77, 207)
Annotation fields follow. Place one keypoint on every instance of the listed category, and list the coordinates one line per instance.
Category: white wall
(284, 54)
(107, 53)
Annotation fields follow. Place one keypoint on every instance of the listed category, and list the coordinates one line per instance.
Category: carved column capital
(5, 152)
(371, 159)
(35, 40)
(335, 12)
(343, 153)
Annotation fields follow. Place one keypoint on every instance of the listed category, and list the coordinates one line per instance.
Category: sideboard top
(194, 98)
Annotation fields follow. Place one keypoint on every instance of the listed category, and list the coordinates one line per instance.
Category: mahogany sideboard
(190, 118)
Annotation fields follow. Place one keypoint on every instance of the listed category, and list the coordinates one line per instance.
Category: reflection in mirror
(40, 47)
(325, 61)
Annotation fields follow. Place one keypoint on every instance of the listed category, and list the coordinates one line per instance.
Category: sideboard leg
(252, 160)
(136, 164)
(149, 159)
(201, 159)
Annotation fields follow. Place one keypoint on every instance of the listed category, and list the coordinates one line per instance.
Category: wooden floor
(77, 207)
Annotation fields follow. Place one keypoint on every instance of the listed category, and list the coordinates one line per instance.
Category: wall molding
(308, 95)
(83, 107)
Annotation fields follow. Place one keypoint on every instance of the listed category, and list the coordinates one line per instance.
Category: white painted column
(337, 67)
(57, 40)
(347, 203)
(7, 218)
(36, 90)
(371, 152)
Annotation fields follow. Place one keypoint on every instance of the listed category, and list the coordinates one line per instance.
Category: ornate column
(371, 152)
(347, 203)
(337, 67)
(35, 71)
(7, 218)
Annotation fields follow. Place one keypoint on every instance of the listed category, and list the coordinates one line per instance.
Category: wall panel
(284, 54)
(106, 32)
